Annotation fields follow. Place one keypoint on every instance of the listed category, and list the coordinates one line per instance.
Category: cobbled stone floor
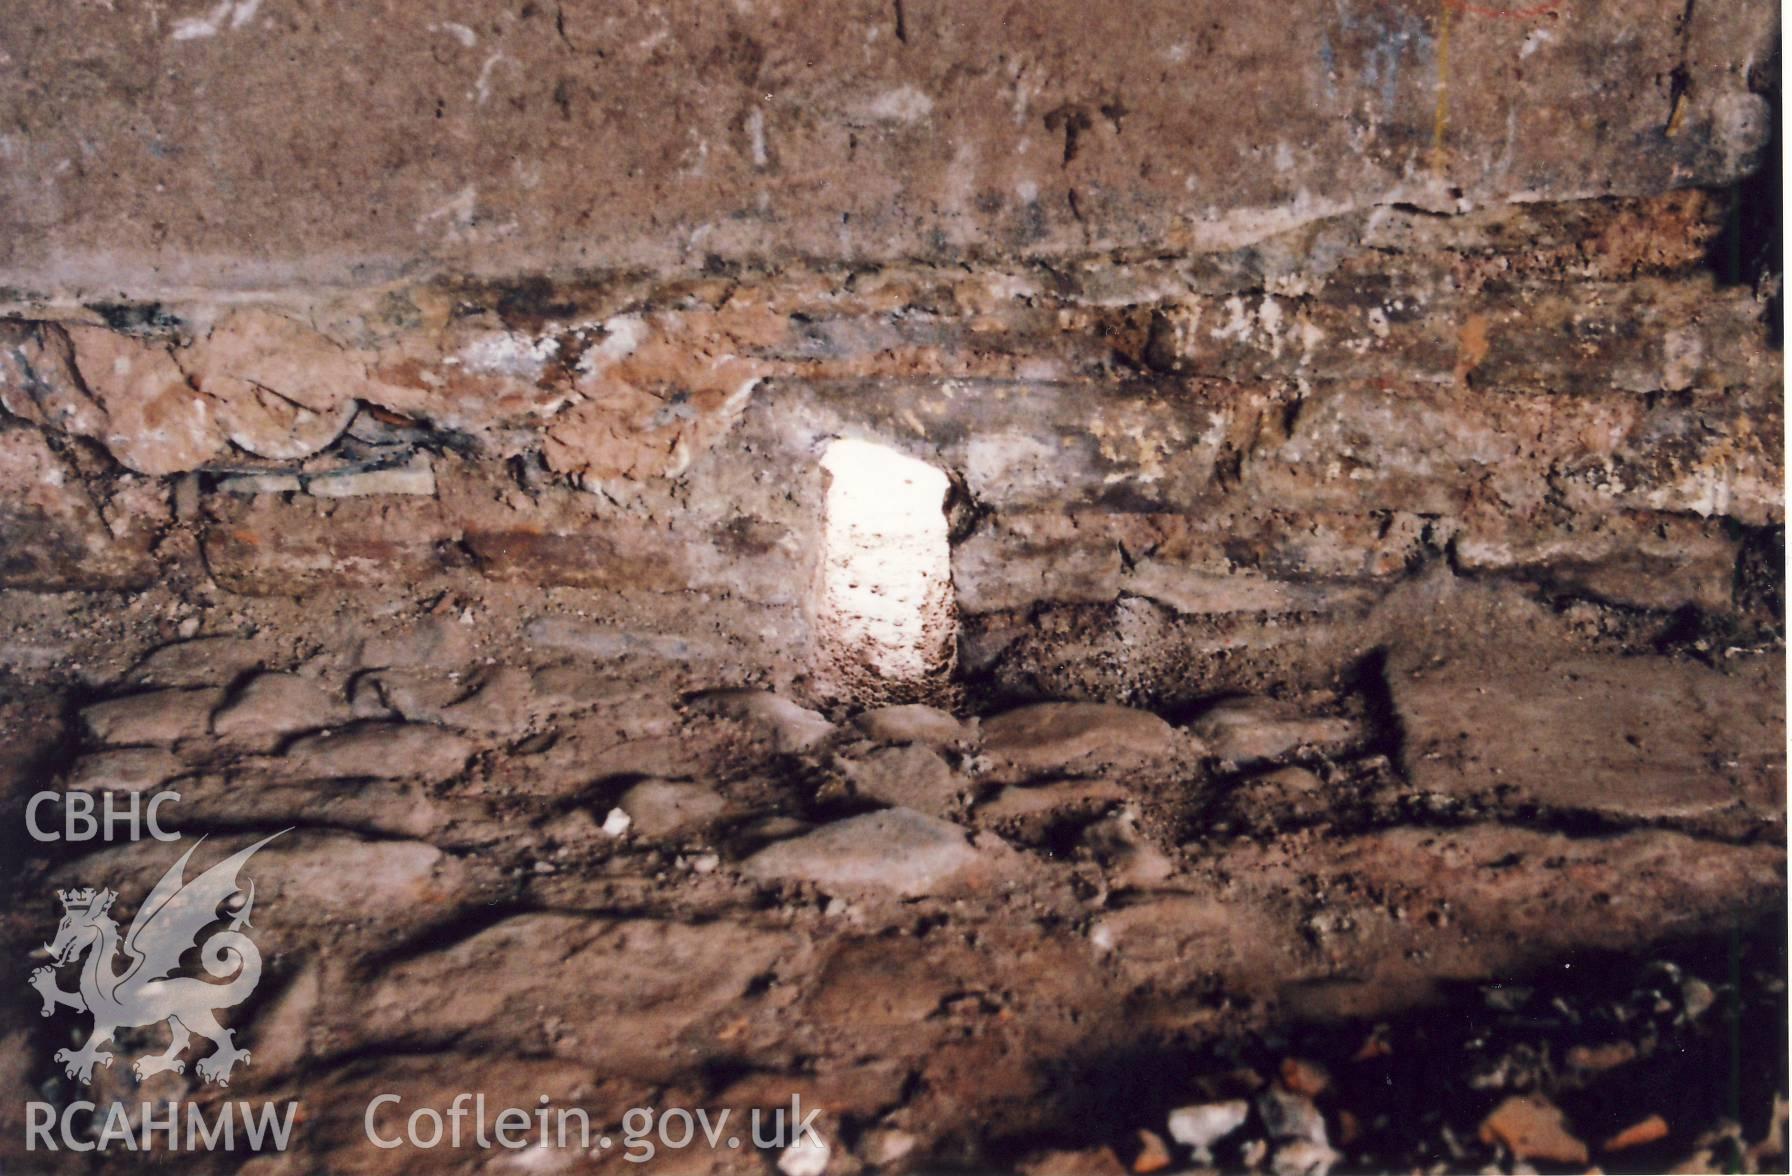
(1352, 925)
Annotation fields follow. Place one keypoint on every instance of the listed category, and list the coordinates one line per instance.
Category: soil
(1125, 913)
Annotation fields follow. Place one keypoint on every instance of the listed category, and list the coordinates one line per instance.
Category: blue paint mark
(1393, 34)
(1388, 53)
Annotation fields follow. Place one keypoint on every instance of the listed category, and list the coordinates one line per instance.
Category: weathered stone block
(895, 850)
(1636, 737)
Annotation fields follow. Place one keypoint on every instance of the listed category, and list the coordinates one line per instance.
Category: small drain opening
(887, 620)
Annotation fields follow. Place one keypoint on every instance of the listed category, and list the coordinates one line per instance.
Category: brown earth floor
(518, 854)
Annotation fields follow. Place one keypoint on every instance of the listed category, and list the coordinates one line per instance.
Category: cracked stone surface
(518, 139)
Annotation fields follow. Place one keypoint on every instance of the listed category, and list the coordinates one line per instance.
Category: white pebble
(1208, 1123)
(804, 1159)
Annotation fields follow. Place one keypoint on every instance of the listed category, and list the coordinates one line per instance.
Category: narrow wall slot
(888, 624)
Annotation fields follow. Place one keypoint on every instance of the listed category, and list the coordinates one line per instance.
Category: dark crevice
(1750, 249)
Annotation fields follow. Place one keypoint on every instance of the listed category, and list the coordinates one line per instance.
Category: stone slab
(153, 148)
(1633, 736)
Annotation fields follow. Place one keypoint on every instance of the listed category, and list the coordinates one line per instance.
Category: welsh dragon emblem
(166, 927)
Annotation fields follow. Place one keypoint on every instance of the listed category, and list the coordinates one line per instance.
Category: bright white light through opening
(888, 621)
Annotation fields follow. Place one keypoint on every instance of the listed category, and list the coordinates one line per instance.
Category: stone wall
(1361, 429)
(1244, 449)
(152, 149)
(1233, 323)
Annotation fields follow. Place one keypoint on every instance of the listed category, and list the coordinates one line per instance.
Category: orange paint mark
(1471, 346)
(1674, 118)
